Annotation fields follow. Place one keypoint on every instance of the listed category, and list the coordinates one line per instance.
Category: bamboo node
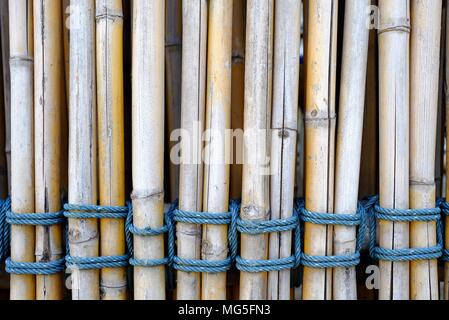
(253, 212)
(395, 25)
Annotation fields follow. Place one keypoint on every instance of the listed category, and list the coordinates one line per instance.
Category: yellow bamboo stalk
(217, 150)
(173, 66)
(4, 35)
(424, 76)
(23, 287)
(83, 233)
(237, 92)
(111, 141)
(320, 136)
(257, 121)
(394, 140)
(193, 108)
(287, 43)
(49, 101)
(148, 143)
(349, 139)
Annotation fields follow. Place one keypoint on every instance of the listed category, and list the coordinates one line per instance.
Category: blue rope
(73, 211)
(146, 232)
(203, 218)
(271, 226)
(29, 219)
(445, 211)
(5, 205)
(404, 215)
(340, 261)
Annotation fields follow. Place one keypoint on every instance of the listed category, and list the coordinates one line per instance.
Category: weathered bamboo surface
(23, 287)
(257, 119)
(394, 48)
(49, 102)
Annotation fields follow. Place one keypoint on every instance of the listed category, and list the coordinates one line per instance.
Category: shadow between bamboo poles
(148, 143)
(394, 34)
(287, 44)
(424, 76)
(193, 108)
(349, 139)
(3, 164)
(446, 88)
(83, 184)
(4, 31)
(257, 121)
(237, 94)
(320, 139)
(111, 148)
(217, 149)
(23, 287)
(49, 101)
(173, 66)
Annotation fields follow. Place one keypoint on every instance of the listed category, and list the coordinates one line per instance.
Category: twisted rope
(404, 215)
(73, 211)
(5, 205)
(445, 211)
(352, 220)
(29, 219)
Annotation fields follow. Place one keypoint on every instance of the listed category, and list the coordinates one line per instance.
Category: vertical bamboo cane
(23, 287)
(349, 139)
(394, 140)
(4, 191)
(148, 143)
(424, 76)
(65, 7)
(49, 101)
(193, 100)
(173, 66)
(237, 93)
(257, 121)
(4, 30)
(217, 151)
(320, 139)
(83, 234)
(66, 24)
(446, 81)
(111, 148)
(287, 45)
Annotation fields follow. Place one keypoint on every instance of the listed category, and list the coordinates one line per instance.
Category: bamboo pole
(148, 143)
(23, 287)
(446, 81)
(3, 164)
(173, 66)
(424, 77)
(66, 17)
(287, 43)
(49, 100)
(193, 104)
(237, 93)
(394, 140)
(257, 121)
(65, 7)
(111, 141)
(83, 233)
(320, 139)
(217, 150)
(4, 35)
(349, 139)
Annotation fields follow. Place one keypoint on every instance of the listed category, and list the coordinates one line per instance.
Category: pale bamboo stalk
(148, 143)
(65, 7)
(111, 141)
(446, 88)
(257, 121)
(394, 34)
(320, 139)
(237, 94)
(66, 23)
(23, 287)
(193, 108)
(424, 77)
(287, 43)
(173, 66)
(4, 31)
(349, 140)
(217, 151)
(49, 101)
(83, 184)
